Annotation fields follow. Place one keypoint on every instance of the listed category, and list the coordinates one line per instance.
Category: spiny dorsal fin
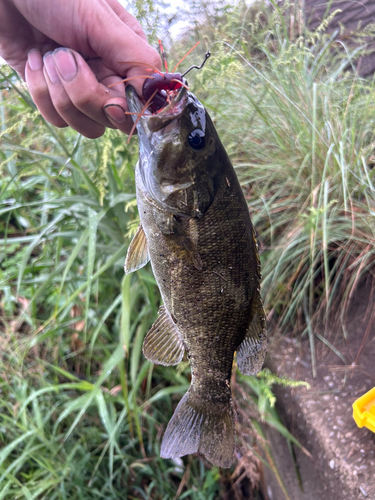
(137, 255)
(252, 350)
(163, 344)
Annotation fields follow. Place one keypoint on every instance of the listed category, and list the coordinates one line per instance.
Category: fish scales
(203, 301)
(196, 226)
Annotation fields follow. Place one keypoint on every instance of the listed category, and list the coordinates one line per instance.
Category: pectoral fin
(185, 244)
(137, 255)
(252, 350)
(191, 252)
(163, 344)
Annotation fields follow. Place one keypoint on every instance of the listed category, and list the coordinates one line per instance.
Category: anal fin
(163, 344)
(137, 255)
(252, 350)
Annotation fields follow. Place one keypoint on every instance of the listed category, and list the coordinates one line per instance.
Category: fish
(196, 231)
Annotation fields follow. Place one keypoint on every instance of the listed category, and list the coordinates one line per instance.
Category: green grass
(81, 411)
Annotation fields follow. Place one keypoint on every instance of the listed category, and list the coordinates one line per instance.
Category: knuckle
(60, 124)
(53, 118)
(39, 94)
(155, 59)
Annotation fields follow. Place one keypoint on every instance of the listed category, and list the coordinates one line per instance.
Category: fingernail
(65, 63)
(115, 112)
(49, 64)
(34, 58)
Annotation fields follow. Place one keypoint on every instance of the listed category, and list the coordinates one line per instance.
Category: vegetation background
(81, 411)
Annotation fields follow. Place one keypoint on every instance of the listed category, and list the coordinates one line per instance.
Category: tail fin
(204, 426)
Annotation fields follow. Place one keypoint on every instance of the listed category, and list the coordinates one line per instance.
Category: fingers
(96, 29)
(70, 105)
(67, 92)
(38, 88)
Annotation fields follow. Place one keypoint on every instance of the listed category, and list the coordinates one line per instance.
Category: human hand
(87, 45)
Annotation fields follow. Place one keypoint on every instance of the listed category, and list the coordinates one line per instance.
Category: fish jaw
(135, 106)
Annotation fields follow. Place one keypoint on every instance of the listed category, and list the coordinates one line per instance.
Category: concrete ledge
(342, 466)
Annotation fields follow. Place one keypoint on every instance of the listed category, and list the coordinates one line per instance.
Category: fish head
(179, 153)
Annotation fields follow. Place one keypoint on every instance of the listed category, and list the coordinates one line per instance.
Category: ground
(343, 456)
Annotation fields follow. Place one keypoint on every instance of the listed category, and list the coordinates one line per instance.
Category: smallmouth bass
(196, 231)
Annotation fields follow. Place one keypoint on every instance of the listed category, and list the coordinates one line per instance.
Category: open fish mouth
(149, 122)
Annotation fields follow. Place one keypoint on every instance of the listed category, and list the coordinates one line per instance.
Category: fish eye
(197, 139)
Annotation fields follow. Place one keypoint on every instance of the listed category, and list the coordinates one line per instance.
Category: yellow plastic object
(364, 410)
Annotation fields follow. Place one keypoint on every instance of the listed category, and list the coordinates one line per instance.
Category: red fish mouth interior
(167, 100)
(161, 100)
(161, 89)
(166, 106)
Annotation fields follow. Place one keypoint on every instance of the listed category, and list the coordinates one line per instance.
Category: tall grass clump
(298, 123)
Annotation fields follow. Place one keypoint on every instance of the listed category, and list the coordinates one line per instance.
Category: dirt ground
(342, 465)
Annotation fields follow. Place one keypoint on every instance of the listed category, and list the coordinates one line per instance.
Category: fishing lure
(158, 86)
(166, 82)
